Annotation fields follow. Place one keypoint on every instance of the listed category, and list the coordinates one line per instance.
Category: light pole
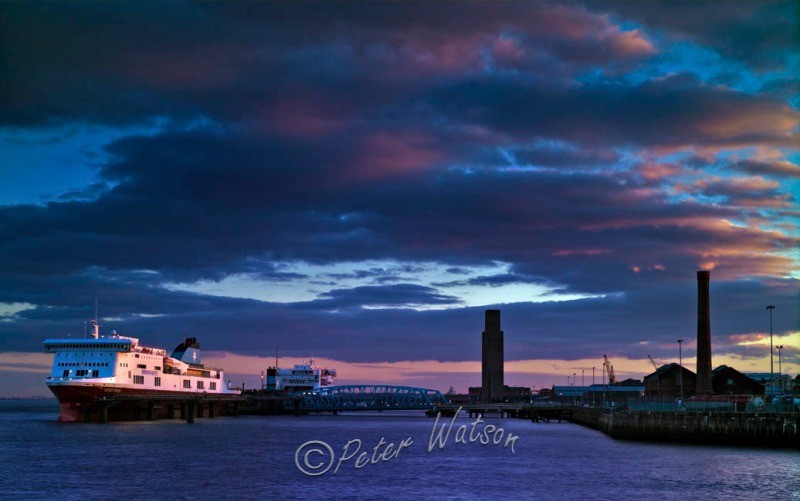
(680, 362)
(583, 390)
(771, 363)
(574, 385)
(592, 375)
(780, 368)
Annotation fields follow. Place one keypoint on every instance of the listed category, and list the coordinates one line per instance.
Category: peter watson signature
(316, 457)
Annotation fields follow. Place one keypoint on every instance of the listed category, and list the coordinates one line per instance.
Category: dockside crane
(609, 370)
(658, 376)
(655, 365)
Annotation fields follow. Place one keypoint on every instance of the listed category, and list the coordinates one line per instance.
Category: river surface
(254, 457)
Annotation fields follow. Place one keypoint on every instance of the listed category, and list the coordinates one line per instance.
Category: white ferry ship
(302, 377)
(118, 369)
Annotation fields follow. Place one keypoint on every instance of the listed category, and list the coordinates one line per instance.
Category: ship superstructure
(108, 367)
(302, 377)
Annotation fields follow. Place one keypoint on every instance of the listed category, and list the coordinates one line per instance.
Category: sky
(359, 181)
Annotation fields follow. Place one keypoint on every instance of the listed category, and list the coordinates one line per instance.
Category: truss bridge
(367, 398)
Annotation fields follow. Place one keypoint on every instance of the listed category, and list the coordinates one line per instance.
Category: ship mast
(95, 324)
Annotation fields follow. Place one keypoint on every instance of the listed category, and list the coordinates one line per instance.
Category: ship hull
(99, 403)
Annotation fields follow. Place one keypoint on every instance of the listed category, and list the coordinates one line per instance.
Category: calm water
(253, 457)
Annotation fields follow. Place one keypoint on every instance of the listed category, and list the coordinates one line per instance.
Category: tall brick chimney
(492, 359)
(703, 335)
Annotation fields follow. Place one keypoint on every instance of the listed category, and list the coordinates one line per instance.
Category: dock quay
(763, 429)
(759, 429)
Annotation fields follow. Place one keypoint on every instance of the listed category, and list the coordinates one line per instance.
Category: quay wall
(757, 429)
(587, 416)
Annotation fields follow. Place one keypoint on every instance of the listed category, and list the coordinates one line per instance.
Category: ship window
(66, 373)
(141, 366)
(138, 379)
(187, 383)
(95, 373)
(157, 368)
(157, 381)
(199, 385)
(212, 386)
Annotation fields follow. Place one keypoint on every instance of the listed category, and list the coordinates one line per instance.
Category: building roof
(666, 368)
(629, 382)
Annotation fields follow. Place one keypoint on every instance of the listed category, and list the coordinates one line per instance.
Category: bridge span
(367, 398)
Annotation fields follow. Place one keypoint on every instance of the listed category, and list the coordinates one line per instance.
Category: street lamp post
(604, 386)
(780, 368)
(680, 362)
(771, 363)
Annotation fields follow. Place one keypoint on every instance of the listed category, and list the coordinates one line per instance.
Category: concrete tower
(703, 335)
(492, 372)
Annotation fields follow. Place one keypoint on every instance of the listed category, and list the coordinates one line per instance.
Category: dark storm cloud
(564, 156)
(387, 296)
(202, 206)
(95, 62)
(780, 168)
(316, 71)
(672, 111)
(747, 192)
(322, 133)
(759, 34)
(494, 280)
